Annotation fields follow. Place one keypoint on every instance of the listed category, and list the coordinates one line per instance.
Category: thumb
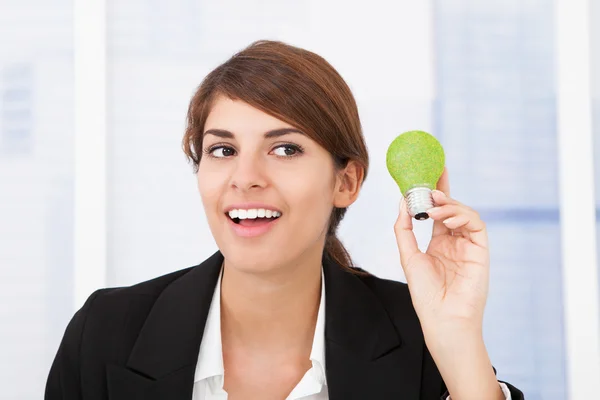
(405, 237)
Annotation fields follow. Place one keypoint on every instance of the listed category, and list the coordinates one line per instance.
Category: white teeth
(253, 213)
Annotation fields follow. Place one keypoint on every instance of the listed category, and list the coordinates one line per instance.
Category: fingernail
(449, 220)
(439, 193)
(433, 210)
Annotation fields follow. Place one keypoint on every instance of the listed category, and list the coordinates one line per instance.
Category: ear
(348, 184)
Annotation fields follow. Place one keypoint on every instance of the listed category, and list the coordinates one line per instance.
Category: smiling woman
(279, 311)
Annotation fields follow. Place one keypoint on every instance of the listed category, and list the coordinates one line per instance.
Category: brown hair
(295, 86)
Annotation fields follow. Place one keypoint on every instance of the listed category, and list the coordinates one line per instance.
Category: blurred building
(36, 189)
(496, 113)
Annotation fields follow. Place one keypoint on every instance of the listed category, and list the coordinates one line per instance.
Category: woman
(280, 312)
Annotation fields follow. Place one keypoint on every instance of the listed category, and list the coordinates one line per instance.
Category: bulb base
(419, 200)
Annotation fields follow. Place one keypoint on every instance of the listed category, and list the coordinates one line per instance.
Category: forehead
(239, 117)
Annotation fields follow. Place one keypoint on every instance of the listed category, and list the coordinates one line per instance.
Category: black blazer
(142, 342)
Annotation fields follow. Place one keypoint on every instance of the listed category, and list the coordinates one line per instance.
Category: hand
(449, 286)
(449, 282)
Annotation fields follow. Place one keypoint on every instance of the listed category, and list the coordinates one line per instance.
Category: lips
(250, 228)
(251, 220)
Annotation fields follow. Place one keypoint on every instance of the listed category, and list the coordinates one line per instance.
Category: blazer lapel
(366, 356)
(163, 360)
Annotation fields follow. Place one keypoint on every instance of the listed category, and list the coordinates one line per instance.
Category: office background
(95, 190)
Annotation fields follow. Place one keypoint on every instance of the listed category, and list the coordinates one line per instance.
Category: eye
(221, 151)
(287, 150)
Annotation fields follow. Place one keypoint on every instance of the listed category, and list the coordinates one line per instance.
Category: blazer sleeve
(515, 393)
(64, 378)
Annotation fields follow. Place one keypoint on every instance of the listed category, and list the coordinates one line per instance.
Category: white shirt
(209, 376)
(208, 380)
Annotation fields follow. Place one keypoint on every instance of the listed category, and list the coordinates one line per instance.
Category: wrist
(453, 333)
(452, 345)
(463, 362)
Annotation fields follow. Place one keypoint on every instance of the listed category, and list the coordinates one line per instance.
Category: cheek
(210, 186)
(309, 194)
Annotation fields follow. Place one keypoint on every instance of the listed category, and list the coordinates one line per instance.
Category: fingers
(458, 217)
(405, 237)
(441, 199)
(441, 196)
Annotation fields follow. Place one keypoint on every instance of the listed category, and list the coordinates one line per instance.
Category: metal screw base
(419, 200)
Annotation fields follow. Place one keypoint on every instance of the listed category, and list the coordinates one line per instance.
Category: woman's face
(267, 189)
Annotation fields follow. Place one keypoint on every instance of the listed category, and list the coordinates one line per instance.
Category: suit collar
(363, 348)
(210, 357)
(170, 338)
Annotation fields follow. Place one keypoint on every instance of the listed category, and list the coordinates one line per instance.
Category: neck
(271, 311)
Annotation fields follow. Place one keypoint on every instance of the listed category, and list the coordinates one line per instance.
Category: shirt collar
(210, 358)
(317, 353)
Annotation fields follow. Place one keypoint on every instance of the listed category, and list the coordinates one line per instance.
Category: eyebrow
(222, 133)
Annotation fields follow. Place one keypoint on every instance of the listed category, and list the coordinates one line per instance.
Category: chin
(254, 259)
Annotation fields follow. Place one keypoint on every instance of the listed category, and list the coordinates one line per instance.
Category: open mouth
(253, 217)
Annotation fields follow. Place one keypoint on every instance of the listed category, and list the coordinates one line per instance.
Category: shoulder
(146, 290)
(103, 330)
(118, 306)
(111, 318)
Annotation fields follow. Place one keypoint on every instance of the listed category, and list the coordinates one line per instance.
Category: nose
(249, 172)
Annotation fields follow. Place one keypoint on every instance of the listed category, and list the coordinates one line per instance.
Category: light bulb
(416, 160)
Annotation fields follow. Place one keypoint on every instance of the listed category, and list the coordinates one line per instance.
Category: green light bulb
(416, 160)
